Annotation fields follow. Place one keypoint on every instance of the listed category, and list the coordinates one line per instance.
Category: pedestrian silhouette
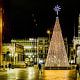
(77, 67)
(40, 67)
(9, 65)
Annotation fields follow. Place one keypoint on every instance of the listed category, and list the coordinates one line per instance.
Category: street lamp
(48, 32)
(15, 58)
(10, 56)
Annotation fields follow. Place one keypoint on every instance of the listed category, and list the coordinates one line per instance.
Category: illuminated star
(57, 9)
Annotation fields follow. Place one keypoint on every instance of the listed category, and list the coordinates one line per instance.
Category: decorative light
(10, 54)
(31, 39)
(57, 55)
(29, 56)
(28, 47)
(57, 9)
(48, 31)
(16, 54)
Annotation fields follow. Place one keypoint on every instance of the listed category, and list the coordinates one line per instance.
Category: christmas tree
(57, 56)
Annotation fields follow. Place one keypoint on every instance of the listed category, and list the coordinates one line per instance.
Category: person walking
(77, 68)
(40, 67)
(9, 65)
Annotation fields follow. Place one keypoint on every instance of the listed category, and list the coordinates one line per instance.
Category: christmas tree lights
(57, 56)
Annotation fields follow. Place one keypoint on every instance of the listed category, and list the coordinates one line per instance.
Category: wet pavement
(29, 73)
(32, 73)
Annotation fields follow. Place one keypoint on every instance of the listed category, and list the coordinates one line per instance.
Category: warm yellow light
(10, 54)
(0, 20)
(16, 54)
(28, 47)
(31, 39)
(29, 56)
(48, 31)
(59, 74)
(0, 34)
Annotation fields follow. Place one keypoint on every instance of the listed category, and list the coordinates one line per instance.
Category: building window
(46, 42)
(40, 55)
(40, 42)
(46, 49)
(40, 51)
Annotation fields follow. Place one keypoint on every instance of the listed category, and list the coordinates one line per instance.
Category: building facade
(27, 51)
(76, 44)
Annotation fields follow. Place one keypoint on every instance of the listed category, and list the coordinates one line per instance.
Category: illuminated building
(20, 51)
(79, 27)
(31, 50)
(76, 44)
(7, 50)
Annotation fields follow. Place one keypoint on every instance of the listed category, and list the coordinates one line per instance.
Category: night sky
(32, 18)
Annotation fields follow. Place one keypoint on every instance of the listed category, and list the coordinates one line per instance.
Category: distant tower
(79, 26)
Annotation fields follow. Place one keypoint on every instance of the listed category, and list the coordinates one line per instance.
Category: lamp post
(48, 32)
(15, 58)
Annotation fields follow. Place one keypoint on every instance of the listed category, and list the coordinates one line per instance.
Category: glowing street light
(48, 32)
(31, 39)
(10, 55)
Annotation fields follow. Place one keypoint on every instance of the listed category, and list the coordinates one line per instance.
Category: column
(0, 36)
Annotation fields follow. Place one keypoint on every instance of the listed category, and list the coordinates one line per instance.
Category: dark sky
(31, 18)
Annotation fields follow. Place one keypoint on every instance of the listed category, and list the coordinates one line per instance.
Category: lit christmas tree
(57, 56)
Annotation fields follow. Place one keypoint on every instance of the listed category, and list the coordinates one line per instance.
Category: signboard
(19, 48)
(26, 60)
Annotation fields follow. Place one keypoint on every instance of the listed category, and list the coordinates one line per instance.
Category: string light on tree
(57, 56)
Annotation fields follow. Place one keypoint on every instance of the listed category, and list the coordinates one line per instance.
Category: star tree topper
(57, 9)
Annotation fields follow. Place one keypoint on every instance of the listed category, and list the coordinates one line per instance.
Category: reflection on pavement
(32, 73)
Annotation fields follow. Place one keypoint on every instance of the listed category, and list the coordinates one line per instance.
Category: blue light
(57, 9)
